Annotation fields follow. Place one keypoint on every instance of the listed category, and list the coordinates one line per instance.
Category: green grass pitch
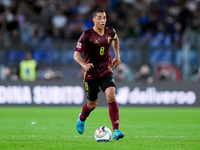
(49, 128)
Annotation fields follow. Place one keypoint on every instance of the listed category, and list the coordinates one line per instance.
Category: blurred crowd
(161, 21)
(158, 22)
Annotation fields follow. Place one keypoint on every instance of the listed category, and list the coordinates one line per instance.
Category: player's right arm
(80, 47)
(79, 60)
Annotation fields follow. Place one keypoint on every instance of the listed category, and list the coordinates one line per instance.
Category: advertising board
(71, 93)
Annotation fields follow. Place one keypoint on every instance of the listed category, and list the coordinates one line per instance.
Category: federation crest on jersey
(109, 38)
(78, 45)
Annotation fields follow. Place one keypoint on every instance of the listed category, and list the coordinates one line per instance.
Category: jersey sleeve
(80, 45)
(115, 34)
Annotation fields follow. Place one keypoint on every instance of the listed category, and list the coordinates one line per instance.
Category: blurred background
(159, 39)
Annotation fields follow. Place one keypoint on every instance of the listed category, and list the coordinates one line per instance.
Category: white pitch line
(91, 127)
(51, 136)
(82, 136)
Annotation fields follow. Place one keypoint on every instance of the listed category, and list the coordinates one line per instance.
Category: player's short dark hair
(94, 13)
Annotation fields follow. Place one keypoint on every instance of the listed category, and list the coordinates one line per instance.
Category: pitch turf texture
(34, 128)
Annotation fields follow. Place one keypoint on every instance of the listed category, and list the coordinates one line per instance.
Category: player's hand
(88, 66)
(116, 62)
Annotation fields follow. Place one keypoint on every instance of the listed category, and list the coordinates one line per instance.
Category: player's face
(100, 20)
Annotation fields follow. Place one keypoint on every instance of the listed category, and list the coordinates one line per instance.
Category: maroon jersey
(96, 50)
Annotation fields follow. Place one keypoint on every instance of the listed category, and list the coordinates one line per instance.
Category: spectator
(144, 74)
(76, 27)
(25, 30)
(59, 22)
(52, 75)
(36, 33)
(123, 73)
(185, 17)
(8, 74)
(168, 72)
(163, 74)
(84, 7)
(176, 37)
(134, 28)
(28, 68)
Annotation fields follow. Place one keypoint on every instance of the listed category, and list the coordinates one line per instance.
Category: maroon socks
(85, 112)
(114, 115)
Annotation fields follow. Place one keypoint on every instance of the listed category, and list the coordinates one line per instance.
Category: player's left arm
(115, 44)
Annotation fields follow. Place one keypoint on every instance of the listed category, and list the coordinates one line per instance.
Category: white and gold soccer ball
(103, 134)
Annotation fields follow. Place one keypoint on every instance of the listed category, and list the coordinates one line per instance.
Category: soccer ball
(103, 134)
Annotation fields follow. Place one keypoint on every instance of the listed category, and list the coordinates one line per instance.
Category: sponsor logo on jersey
(96, 42)
(78, 45)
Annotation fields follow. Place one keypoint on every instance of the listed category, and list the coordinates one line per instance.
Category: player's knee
(92, 106)
(111, 98)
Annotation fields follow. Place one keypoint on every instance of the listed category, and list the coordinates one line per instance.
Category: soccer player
(95, 43)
